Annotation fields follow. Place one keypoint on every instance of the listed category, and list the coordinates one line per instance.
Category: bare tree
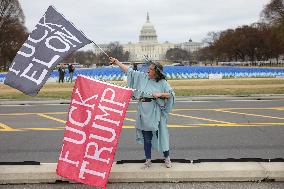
(211, 37)
(116, 50)
(177, 55)
(206, 54)
(12, 30)
(11, 10)
(273, 15)
(273, 12)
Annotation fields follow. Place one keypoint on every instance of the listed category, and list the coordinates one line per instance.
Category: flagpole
(101, 49)
(116, 83)
(103, 80)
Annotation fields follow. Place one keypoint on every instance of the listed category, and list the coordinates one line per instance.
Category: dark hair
(159, 75)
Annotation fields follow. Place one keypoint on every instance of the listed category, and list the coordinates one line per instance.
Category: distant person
(156, 100)
(61, 71)
(135, 67)
(71, 70)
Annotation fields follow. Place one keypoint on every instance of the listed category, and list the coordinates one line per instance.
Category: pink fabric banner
(93, 126)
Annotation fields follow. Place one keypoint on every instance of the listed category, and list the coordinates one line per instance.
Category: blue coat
(151, 116)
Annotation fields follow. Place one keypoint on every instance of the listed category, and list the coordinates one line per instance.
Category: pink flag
(94, 122)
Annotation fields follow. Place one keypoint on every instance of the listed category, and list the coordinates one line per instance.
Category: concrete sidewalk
(132, 172)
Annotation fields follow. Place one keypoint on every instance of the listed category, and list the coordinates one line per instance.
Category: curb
(132, 172)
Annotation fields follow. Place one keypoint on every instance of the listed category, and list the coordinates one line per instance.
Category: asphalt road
(198, 130)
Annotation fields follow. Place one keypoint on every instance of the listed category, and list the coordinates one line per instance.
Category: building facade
(148, 45)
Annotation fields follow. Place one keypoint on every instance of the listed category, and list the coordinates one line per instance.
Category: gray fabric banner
(52, 39)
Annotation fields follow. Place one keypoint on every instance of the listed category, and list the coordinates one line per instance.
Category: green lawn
(192, 87)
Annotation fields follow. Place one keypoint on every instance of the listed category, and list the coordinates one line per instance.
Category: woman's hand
(116, 62)
(113, 60)
(161, 95)
(157, 95)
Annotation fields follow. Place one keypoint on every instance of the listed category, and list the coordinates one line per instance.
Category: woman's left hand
(157, 95)
(161, 95)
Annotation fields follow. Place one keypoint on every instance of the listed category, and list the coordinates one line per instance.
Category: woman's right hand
(113, 60)
(116, 62)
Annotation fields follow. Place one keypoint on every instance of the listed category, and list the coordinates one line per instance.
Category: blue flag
(53, 38)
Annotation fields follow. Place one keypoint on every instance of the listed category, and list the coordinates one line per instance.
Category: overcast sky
(176, 21)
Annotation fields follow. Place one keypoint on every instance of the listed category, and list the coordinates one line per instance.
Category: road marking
(42, 129)
(214, 109)
(237, 124)
(62, 121)
(32, 113)
(133, 111)
(182, 126)
(128, 127)
(62, 128)
(256, 115)
(200, 118)
(218, 123)
(6, 128)
(128, 119)
(52, 118)
(169, 126)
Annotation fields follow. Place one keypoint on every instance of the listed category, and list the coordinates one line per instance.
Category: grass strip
(194, 87)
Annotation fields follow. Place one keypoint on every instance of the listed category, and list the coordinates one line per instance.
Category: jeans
(70, 77)
(148, 135)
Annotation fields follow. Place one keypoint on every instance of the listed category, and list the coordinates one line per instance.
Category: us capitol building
(149, 46)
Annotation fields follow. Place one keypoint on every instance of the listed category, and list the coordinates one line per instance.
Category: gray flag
(53, 38)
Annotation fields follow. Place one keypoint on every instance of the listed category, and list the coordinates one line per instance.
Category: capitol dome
(148, 33)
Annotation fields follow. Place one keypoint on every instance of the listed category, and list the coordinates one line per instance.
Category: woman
(156, 99)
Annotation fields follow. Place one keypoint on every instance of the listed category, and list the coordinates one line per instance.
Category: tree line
(259, 41)
(87, 58)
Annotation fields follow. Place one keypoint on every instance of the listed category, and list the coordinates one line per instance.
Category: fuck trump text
(94, 122)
